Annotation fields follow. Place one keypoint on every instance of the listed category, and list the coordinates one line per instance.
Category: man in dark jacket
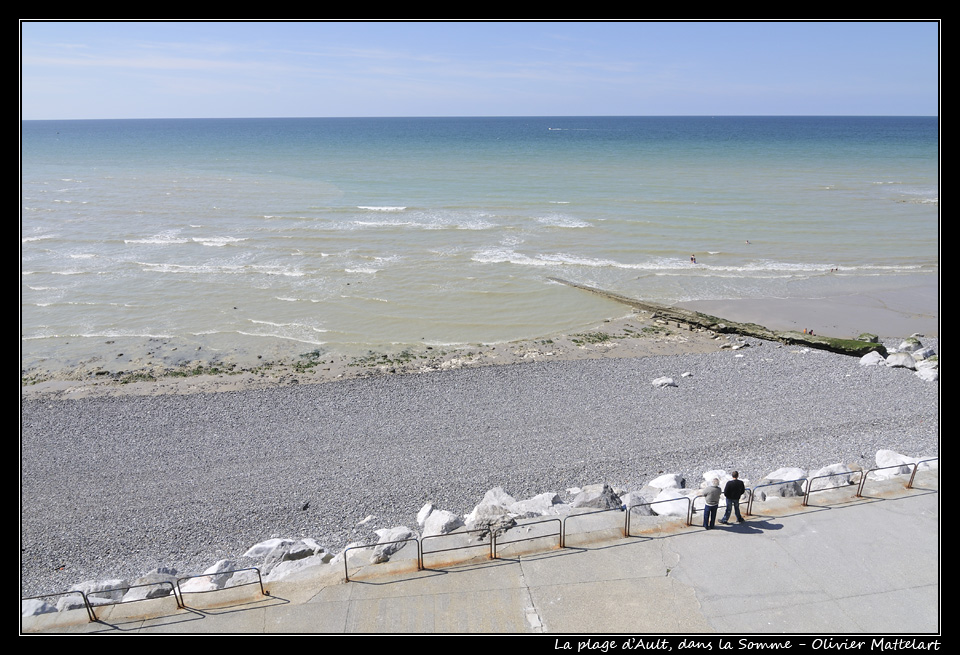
(732, 491)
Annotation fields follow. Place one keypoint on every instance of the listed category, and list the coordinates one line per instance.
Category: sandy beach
(117, 479)
(143, 371)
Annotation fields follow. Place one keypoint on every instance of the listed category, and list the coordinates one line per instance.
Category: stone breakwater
(113, 487)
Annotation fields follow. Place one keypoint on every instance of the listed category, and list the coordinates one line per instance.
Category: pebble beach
(117, 480)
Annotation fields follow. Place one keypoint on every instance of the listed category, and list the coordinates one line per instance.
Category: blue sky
(245, 69)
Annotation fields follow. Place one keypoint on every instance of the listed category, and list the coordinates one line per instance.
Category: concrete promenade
(841, 565)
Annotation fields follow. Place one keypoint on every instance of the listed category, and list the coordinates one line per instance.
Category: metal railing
(810, 489)
(913, 473)
(571, 517)
(346, 574)
(258, 581)
(687, 514)
(492, 545)
(175, 591)
(494, 542)
(693, 504)
(753, 492)
(86, 602)
(424, 552)
(101, 601)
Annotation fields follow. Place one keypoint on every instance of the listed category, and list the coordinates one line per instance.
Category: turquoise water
(281, 236)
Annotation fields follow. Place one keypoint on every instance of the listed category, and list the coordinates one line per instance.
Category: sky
(98, 69)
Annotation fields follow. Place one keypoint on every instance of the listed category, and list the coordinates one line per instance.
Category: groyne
(853, 347)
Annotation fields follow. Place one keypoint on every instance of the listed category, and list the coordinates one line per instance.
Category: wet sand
(896, 315)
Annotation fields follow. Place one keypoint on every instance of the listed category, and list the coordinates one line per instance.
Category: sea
(244, 239)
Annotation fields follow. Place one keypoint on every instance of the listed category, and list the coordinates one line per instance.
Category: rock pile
(912, 355)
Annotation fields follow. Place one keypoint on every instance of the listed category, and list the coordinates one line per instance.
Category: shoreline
(898, 315)
(630, 336)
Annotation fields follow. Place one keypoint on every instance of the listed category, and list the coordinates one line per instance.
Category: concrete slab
(845, 565)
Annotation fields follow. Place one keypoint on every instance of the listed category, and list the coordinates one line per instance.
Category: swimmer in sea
(693, 259)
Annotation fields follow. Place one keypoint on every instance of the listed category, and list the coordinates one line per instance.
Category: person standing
(733, 490)
(711, 497)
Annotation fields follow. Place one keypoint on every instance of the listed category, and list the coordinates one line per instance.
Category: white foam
(558, 220)
(217, 242)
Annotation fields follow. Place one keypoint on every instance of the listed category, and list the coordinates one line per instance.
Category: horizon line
(151, 118)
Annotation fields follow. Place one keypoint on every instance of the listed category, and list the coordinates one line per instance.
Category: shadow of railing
(495, 542)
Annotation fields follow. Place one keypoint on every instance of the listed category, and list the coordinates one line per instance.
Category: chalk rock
(928, 374)
(928, 368)
(487, 519)
(279, 561)
(872, 359)
(99, 592)
(35, 607)
(909, 345)
(667, 481)
(788, 482)
(889, 458)
(545, 504)
(424, 513)
(604, 498)
(901, 360)
(781, 488)
(353, 553)
(716, 474)
(289, 560)
(492, 514)
(639, 501)
(840, 474)
(75, 602)
(923, 353)
(156, 580)
(441, 521)
(497, 496)
(664, 382)
(670, 502)
(398, 534)
(786, 473)
(266, 547)
(213, 578)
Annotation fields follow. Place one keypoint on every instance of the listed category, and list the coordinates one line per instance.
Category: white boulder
(266, 547)
(664, 382)
(35, 607)
(545, 504)
(213, 578)
(667, 481)
(393, 539)
(440, 521)
(670, 502)
(901, 360)
(839, 475)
